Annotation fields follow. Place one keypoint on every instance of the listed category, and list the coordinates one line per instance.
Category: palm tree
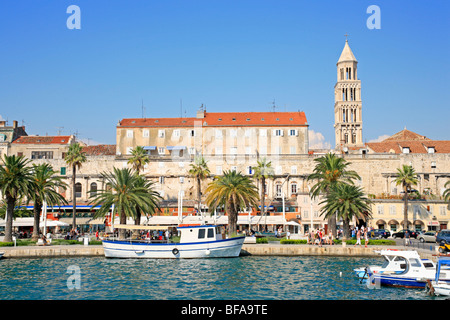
(75, 157)
(139, 158)
(446, 193)
(263, 171)
(348, 202)
(15, 182)
(45, 189)
(127, 196)
(234, 191)
(407, 177)
(200, 171)
(153, 198)
(329, 171)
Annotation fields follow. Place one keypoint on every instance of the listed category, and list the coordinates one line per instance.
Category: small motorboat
(392, 264)
(196, 241)
(437, 287)
(415, 271)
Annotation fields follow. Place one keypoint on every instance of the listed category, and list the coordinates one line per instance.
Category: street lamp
(284, 208)
(310, 206)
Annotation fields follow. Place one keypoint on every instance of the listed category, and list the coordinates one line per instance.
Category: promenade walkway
(270, 249)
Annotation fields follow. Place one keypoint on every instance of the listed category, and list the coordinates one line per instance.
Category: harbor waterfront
(243, 278)
(270, 249)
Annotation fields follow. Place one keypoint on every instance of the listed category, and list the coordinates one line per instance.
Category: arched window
(78, 190)
(93, 189)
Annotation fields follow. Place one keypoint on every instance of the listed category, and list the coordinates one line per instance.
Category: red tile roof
(43, 140)
(408, 139)
(223, 119)
(100, 150)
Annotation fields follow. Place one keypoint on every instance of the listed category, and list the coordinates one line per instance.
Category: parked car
(401, 234)
(443, 236)
(429, 236)
(379, 233)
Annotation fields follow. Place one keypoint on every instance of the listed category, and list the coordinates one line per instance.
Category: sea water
(242, 278)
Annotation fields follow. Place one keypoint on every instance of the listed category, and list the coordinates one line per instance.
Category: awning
(170, 148)
(139, 227)
(29, 222)
(150, 148)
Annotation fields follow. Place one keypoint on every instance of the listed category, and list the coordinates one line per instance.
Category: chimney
(201, 112)
(14, 124)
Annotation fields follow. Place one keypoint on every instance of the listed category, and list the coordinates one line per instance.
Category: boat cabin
(200, 233)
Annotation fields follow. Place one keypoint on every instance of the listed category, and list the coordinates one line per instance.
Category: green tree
(139, 158)
(407, 177)
(329, 171)
(234, 192)
(200, 171)
(75, 157)
(446, 193)
(15, 182)
(347, 202)
(45, 186)
(127, 195)
(263, 171)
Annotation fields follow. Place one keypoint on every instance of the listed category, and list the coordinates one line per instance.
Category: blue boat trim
(184, 250)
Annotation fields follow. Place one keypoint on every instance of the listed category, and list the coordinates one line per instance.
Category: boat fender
(207, 252)
(175, 251)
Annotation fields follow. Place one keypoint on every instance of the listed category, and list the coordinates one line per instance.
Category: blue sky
(228, 55)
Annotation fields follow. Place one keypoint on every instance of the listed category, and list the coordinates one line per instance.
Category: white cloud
(317, 140)
(380, 138)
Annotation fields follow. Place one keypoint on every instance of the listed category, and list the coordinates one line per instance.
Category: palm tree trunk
(405, 210)
(37, 213)
(74, 198)
(346, 231)
(10, 203)
(199, 195)
(123, 220)
(232, 220)
(263, 194)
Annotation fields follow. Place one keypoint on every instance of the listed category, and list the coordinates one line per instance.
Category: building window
(62, 171)
(191, 150)
(234, 168)
(93, 191)
(263, 132)
(78, 190)
(233, 150)
(161, 133)
(249, 170)
(129, 133)
(176, 133)
(192, 133)
(392, 210)
(161, 150)
(442, 211)
(41, 154)
(145, 133)
(161, 180)
(380, 210)
(293, 188)
(293, 169)
(406, 150)
(431, 150)
(293, 132)
(233, 132)
(278, 132)
(218, 134)
(278, 190)
(433, 164)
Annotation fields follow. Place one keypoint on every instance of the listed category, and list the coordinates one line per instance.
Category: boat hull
(225, 248)
(399, 281)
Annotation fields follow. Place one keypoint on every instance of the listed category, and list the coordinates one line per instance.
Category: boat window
(210, 233)
(201, 233)
(414, 262)
(386, 262)
(428, 265)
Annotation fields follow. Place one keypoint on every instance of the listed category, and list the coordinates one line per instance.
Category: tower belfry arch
(347, 101)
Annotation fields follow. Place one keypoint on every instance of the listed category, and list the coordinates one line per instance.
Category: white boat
(390, 265)
(439, 287)
(1, 254)
(200, 241)
(416, 272)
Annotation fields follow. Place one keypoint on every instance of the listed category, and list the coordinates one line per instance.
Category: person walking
(358, 237)
(366, 238)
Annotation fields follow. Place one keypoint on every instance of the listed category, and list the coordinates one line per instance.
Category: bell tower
(347, 102)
